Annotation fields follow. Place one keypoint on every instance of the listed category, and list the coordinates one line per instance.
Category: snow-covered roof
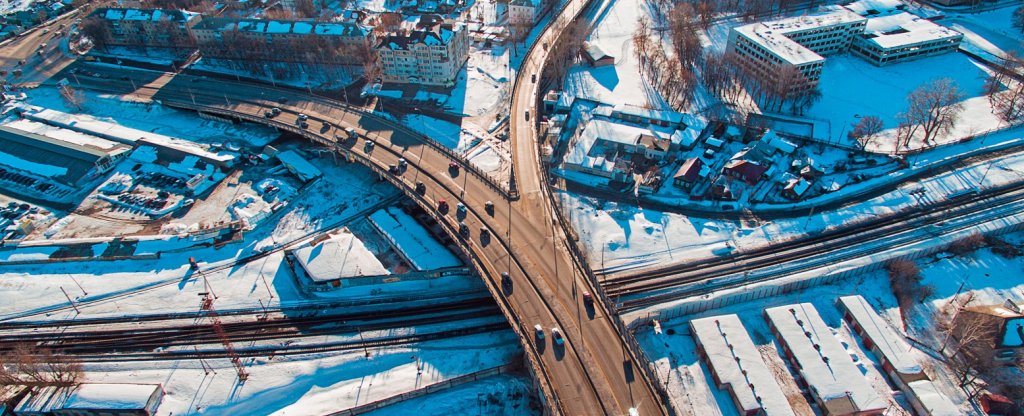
(70, 138)
(904, 29)
(598, 130)
(824, 363)
(154, 15)
(934, 402)
(776, 141)
(413, 241)
(734, 358)
(295, 27)
(595, 52)
(868, 8)
(773, 35)
(672, 117)
(299, 166)
(342, 255)
(91, 396)
(891, 344)
(798, 186)
(116, 132)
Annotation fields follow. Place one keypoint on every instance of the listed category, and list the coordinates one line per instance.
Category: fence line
(430, 388)
(832, 275)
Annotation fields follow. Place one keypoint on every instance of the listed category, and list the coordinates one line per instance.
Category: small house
(688, 173)
(745, 170)
(596, 56)
(796, 188)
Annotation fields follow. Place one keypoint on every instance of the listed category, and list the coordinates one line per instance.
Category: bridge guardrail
(634, 348)
(491, 181)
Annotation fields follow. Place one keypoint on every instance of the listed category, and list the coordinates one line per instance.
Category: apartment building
(151, 28)
(431, 52)
(303, 41)
(523, 12)
(767, 49)
(901, 37)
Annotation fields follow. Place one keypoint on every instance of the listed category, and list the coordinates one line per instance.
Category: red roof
(690, 170)
(750, 172)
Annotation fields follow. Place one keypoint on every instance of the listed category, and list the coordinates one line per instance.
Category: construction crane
(218, 327)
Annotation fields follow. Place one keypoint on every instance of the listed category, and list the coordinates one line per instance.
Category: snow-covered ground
(156, 118)
(991, 31)
(619, 237)
(12, 6)
(483, 83)
(989, 278)
(852, 88)
(321, 384)
(620, 83)
(498, 395)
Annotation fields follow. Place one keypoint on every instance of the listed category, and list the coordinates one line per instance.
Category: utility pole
(69, 300)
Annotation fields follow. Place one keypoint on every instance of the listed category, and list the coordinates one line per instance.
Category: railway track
(201, 332)
(99, 299)
(648, 289)
(296, 349)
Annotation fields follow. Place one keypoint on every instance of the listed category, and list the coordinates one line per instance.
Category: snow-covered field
(306, 385)
(156, 118)
(990, 279)
(620, 83)
(852, 88)
(483, 84)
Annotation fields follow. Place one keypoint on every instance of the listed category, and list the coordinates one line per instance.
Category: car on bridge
(539, 330)
(421, 188)
(556, 335)
(489, 207)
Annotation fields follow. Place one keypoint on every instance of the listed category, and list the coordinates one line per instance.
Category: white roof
(89, 396)
(934, 402)
(583, 152)
(904, 29)
(299, 166)
(70, 137)
(116, 132)
(892, 345)
(413, 241)
(774, 140)
(773, 35)
(737, 362)
(343, 255)
(869, 8)
(825, 364)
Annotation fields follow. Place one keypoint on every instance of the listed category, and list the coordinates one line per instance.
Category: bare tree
(305, 8)
(30, 366)
(973, 353)
(72, 97)
(684, 30)
(642, 41)
(866, 128)
(934, 107)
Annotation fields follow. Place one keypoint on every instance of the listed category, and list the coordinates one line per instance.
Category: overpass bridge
(596, 371)
(599, 369)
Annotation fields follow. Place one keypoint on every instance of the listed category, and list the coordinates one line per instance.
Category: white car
(557, 336)
(540, 331)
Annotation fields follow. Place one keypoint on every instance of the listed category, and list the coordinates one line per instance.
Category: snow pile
(413, 241)
(342, 255)
(298, 166)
